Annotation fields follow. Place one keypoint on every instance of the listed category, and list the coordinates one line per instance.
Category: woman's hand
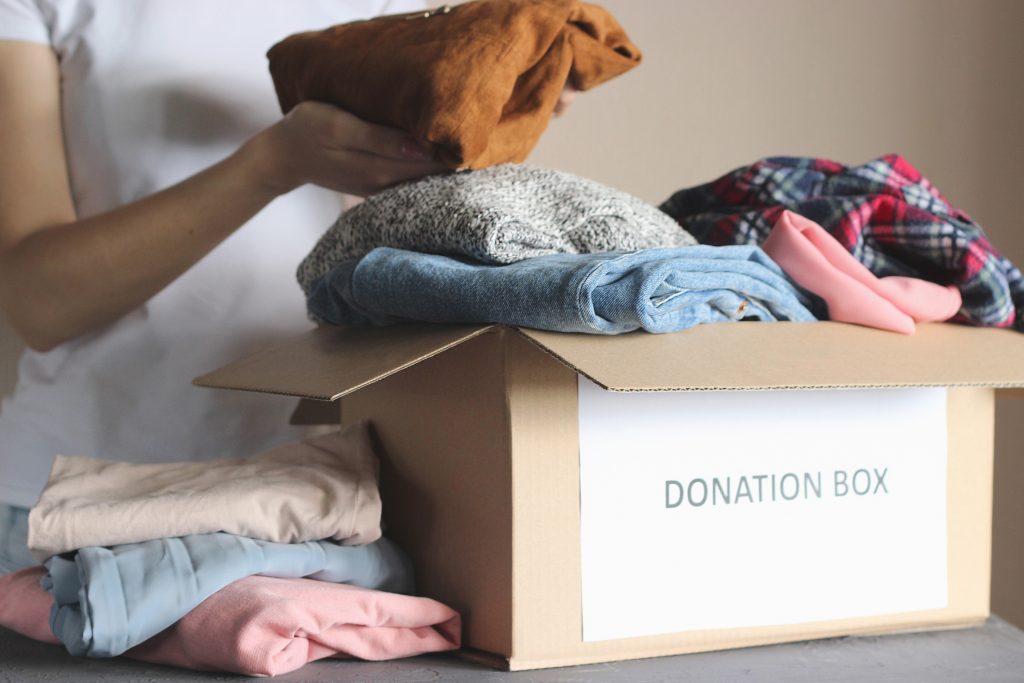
(327, 146)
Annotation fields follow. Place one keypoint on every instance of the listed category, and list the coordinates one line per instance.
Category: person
(153, 207)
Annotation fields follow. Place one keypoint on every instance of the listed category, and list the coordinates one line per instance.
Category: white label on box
(703, 510)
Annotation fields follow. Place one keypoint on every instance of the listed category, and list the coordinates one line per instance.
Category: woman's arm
(61, 277)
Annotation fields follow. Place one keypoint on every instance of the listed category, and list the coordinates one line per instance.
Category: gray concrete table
(993, 652)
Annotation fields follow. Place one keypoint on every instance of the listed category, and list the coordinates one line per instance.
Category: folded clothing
(265, 626)
(818, 263)
(324, 487)
(884, 212)
(501, 214)
(107, 600)
(659, 290)
(479, 80)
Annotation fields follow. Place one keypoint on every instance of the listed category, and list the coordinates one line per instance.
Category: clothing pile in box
(784, 239)
(255, 566)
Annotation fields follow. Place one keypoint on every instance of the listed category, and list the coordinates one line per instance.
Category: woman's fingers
(344, 130)
(322, 144)
(374, 172)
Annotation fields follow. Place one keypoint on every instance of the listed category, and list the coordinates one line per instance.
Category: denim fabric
(14, 554)
(107, 600)
(658, 290)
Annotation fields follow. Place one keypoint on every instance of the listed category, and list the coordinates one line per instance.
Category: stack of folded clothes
(537, 248)
(544, 249)
(254, 566)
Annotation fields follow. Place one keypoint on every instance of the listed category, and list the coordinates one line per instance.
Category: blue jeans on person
(658, 290)
(14, 554)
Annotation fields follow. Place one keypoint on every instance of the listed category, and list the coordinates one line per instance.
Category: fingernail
(411, 149)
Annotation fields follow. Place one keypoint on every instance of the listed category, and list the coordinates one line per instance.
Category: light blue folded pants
(14, 554)
(658, 290)
(107, 600)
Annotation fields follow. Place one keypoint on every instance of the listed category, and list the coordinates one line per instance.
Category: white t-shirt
(152, 92)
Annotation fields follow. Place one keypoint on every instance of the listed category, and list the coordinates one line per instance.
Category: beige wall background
(726, 82)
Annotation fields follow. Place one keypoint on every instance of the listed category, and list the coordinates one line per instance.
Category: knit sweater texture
(500, 214)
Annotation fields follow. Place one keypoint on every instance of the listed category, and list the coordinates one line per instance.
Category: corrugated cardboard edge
(784, 356)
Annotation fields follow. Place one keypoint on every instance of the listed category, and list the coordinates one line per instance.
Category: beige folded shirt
(322, 488)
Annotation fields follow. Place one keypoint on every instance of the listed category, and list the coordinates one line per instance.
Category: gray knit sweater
(499, 214)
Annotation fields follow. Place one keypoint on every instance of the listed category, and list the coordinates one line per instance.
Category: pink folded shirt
(820, 264)
(265, 626)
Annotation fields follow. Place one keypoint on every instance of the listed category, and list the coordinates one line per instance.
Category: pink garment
(265, 626)
(819, 263)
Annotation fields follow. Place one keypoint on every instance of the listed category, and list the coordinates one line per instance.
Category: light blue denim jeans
(658, 290)
(14, 554)
(111, 599)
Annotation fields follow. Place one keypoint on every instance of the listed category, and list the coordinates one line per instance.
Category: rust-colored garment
(479, 81)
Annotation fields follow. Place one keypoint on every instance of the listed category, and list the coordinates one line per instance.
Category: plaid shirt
(884, 212)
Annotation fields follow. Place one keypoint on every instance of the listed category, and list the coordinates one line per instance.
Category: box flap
(329, 362)
(792, 356)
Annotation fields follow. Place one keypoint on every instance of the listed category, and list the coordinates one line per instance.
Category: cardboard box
(479, 428)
